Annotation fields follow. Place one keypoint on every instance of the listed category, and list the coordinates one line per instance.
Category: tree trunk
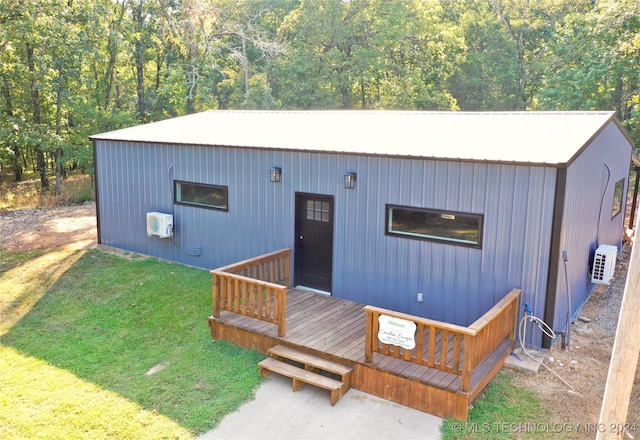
(520, 91)
(112, 49)
(58, 153)
(245, 67)
(37, 116)
(8, 102)
(138, 52)
(519, 42)
(109, 76)
(192, 81)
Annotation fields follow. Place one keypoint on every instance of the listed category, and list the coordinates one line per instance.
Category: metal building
(436, 214)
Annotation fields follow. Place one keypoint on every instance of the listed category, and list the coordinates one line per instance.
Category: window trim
(620, 203)
(433, 238)
(199, 205)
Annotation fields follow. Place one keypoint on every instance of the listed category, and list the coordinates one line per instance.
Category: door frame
(302, 197)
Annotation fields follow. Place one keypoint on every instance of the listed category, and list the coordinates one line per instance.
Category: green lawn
(97, 346)
(503, 411)
(101, 346)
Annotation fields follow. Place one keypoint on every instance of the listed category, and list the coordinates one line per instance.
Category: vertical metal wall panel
(587, 221)
(459, 283)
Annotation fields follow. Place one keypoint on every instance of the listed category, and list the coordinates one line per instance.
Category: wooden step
(311, 362)
(302, 377)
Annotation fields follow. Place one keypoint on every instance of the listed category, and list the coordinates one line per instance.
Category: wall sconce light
(350, 180)
(275, 174)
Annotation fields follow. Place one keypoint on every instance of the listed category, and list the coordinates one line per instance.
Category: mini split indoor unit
(159, 224)
(604, 264)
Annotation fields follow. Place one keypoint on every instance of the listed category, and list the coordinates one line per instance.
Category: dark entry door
(314, 241)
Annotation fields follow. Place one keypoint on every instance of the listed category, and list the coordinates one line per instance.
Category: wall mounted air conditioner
(604, 264)
(159, 224)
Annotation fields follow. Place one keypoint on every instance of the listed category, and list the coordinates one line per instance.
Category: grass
(108, 347)
(10, 259)
(504, 411)
(112, 347)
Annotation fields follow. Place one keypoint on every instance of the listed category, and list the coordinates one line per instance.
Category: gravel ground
(584, 365)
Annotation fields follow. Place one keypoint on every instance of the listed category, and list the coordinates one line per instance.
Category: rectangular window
(618, 193)
(202, 195)
(427, 224)
(318, 210)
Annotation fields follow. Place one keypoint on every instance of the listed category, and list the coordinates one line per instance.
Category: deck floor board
(335, 328)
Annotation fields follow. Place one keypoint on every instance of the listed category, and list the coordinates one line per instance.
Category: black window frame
(223, 188)
(618, 198)
(434, 238)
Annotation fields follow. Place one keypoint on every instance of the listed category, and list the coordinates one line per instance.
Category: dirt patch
(33, 229)
(584, 365)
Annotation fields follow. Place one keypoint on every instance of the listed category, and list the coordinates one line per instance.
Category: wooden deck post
(287, 268)
(467, 362)
(281, 313)
(368, 344)
(216, 296)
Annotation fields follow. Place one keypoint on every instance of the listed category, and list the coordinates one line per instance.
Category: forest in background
(73, 68)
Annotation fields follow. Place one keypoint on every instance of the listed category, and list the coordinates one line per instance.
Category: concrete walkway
(279, 413)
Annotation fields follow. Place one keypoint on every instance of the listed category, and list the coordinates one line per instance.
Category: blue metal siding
(587, 221)
(459, 283)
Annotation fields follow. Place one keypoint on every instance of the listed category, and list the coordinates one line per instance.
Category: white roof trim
(522, 137)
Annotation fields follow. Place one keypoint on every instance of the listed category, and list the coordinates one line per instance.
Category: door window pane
(317, 210)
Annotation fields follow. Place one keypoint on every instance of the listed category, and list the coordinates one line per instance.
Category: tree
(486, 77)
(593, 63)
(367, 54)
(529, 26)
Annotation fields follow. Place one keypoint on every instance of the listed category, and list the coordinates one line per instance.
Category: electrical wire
(604, 193)
(198, 252)
(547, 331)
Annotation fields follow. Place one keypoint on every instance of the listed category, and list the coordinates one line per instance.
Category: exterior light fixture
(275, 174)
(350, 180)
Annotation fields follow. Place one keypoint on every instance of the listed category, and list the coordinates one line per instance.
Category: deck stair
(282, 358)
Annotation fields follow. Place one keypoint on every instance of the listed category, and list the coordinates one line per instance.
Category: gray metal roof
(522, 137)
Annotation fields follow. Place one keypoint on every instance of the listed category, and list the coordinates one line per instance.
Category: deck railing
(256, 287)
(446, 347)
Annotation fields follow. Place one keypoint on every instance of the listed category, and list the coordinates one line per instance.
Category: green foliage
(367, 54)
(593, 63)
(133, 327)
(100, 65)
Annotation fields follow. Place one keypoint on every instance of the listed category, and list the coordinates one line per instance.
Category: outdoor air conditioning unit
(604, 264)
(159, 224)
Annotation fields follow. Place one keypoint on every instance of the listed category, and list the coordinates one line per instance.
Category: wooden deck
(336, 329)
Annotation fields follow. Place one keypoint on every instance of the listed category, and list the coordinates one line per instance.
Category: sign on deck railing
(447, 347)
(396, 331)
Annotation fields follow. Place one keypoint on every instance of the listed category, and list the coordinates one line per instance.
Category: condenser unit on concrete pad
(604, 264)
(159, 224)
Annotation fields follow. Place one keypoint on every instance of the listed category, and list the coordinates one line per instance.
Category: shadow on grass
(11, 259)
(109, 321)
(27, 278)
